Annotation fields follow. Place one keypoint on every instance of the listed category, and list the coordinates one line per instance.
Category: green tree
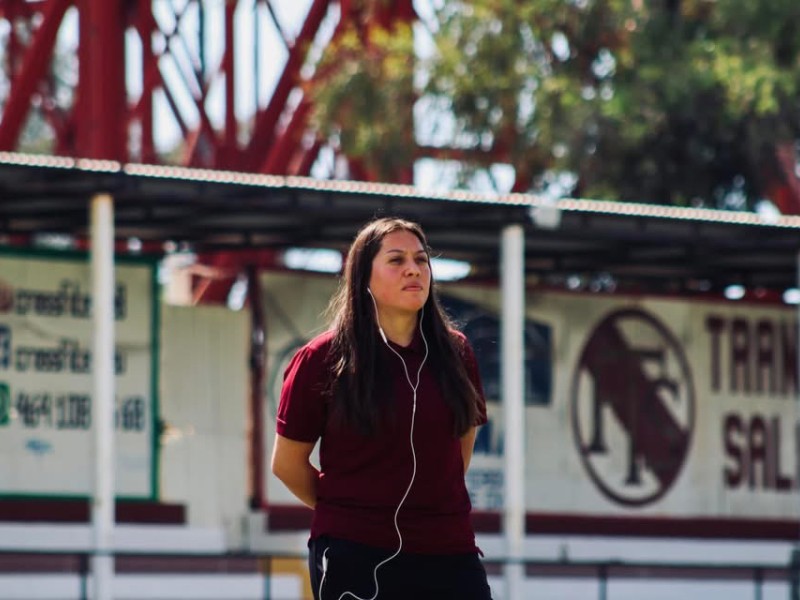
(670, 101)
(363, 93)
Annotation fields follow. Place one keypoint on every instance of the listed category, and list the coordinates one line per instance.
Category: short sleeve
(302, 407)
(473, 372)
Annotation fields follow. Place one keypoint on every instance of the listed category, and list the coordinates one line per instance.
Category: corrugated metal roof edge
(612, 208)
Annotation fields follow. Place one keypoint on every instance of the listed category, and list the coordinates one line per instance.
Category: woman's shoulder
(319, 346)
(313, 354)
(321, 342)
(461, 343)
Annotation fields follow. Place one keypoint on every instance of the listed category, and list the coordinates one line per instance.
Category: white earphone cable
(414, 387)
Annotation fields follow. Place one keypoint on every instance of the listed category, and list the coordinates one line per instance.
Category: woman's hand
(290, 464)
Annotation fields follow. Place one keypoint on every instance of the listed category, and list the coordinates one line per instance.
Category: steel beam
(34, 66)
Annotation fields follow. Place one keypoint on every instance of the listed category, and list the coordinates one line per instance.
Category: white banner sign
(46, 405)
(647, 405)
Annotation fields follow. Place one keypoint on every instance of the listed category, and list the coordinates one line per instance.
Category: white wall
(204, 402)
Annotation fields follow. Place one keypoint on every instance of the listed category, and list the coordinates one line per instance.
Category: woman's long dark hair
(355, 356)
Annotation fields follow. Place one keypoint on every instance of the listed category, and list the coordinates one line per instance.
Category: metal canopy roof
(642, 247)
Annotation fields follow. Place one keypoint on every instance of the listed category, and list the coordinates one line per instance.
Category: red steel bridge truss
(103, 78)
(217, 84)
(109, 79)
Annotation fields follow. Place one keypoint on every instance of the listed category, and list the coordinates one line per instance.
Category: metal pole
(102, 264)
(101, 98)
(603, 581)
(258, 365)
(794, 559)
(759, 581)
(512, 283)
(83, 566)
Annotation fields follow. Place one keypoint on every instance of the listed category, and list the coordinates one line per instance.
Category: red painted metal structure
(109, 119)
(110, 109)
(106, 113)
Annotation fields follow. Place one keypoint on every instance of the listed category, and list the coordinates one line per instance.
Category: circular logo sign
(632, 403)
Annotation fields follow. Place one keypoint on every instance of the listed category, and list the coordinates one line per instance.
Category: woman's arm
(467, 443)
(290, 464)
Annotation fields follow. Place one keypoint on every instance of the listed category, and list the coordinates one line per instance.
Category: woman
(392, 392)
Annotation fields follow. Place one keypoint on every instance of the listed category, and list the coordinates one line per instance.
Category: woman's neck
(399, 328)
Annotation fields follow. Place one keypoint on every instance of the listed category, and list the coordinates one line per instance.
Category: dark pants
(351, 568)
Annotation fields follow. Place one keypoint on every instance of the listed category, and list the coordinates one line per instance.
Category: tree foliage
(668, 101)
(363, 96)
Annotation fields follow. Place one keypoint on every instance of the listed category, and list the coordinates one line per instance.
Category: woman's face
(401, 274)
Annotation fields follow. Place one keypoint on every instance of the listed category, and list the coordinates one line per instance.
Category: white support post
(102, 266)
(512, 283)
(794, 557)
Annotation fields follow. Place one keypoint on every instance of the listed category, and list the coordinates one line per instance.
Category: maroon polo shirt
(363, 478)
